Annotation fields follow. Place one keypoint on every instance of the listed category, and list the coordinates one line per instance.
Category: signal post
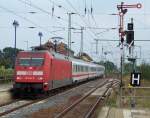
(123, 8)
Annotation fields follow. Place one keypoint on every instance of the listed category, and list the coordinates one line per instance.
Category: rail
(52, 93)
(99, 99)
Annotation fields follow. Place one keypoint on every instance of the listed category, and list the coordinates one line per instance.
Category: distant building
(61, 48)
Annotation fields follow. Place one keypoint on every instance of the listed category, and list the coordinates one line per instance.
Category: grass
(6, 75)
(113, 98)
(140, 102)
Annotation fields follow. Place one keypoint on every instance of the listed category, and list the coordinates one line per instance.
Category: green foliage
(128, 68)
(7, 57)
(110, 67)
(6, 73)
(145, 70)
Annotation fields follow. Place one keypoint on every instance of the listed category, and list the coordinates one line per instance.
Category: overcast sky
(50, 25)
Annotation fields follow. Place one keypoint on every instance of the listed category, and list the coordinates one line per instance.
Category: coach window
(78, 68)
(81, 68)
(84, 69)
(74, 68)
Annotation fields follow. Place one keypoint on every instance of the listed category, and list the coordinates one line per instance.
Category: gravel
(54, 101)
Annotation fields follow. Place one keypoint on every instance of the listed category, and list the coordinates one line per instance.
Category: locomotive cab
(30, 71)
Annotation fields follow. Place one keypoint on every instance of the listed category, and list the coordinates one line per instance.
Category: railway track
(75, 107)
(18, 104)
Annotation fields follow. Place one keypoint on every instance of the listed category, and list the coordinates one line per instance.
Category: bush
(145, 71)
(6, 73)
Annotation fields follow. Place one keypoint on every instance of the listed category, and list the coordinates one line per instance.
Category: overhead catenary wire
(47, 12)
(93, 33)
(36, 7)
(92, 15)
(80, 16)
(85, 9)
(59, 6)
(24, 18)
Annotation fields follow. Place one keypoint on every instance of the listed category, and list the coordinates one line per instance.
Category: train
(42, 71)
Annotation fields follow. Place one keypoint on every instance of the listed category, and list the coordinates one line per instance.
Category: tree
(110, 67)
(144, 68)
(128, 68)
(7, 57)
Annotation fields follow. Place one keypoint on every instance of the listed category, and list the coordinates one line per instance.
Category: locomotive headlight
(18, 78)
(45, 83)
(40, 78)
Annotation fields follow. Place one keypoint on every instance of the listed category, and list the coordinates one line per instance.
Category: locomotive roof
(63, 57)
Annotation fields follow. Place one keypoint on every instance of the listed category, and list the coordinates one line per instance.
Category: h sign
(135, 79)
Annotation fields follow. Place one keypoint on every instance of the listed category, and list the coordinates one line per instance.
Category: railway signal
(123, 8)
(135, 79)
(130, 37)
(130, 34)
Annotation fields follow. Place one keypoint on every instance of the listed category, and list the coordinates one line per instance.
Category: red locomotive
(44, 71)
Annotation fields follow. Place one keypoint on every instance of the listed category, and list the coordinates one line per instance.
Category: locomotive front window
(31, 61)
(24, 62)
(37, 61)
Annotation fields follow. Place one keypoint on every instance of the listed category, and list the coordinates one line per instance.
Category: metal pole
(69, 32)
(40, 35)
(121, 67)
(82, 40)
(102, 53)
(96, 46)
(26, 44)
(15, 24)
(15, 45)
(55, 45)
(40, 41)
(81, 48)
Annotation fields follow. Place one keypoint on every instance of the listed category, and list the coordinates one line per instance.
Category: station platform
(107, 112)
(6, 86)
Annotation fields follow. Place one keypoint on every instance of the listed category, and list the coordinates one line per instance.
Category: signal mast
(123, 8)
